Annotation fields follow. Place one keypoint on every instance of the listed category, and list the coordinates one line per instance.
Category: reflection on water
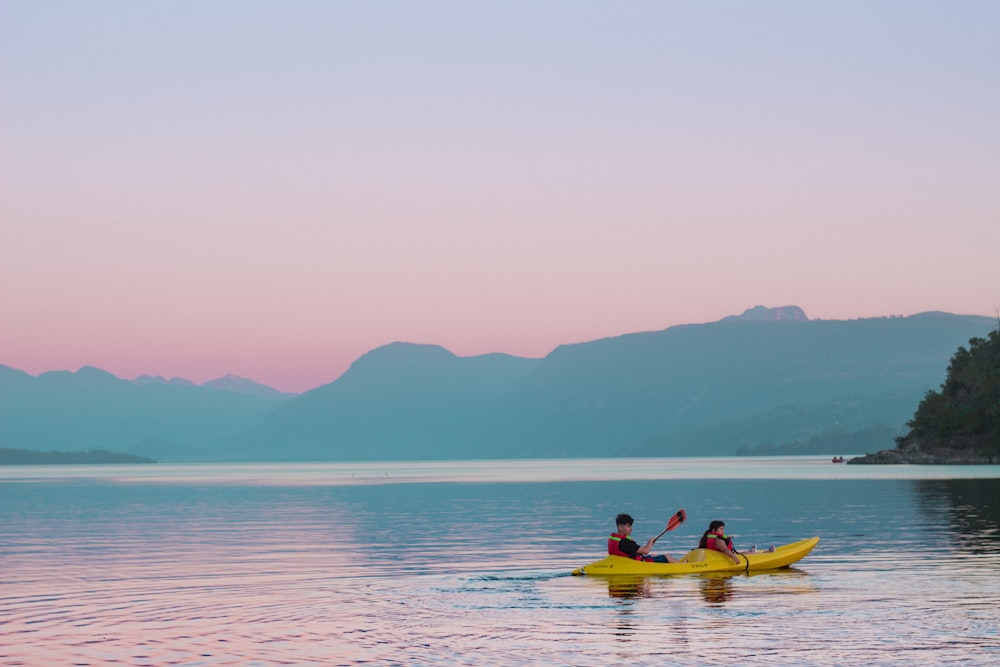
(100, 572)
(972, 509)
(716, 590)
(627, 586)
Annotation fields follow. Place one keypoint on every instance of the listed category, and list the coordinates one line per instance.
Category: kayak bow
(698, 561)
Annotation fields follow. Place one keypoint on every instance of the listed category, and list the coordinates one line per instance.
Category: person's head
(624, 523)
(717, 527)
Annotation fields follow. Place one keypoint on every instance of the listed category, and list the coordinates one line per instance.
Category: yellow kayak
(698, 561)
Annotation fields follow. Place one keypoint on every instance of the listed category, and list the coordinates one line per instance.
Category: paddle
(675, 520)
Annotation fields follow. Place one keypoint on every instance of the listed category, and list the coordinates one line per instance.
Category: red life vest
(615, 550)
(711, 539)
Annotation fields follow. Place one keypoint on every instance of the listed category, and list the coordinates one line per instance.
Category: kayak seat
(695, 556)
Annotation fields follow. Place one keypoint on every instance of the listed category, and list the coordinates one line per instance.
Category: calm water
(468, 564)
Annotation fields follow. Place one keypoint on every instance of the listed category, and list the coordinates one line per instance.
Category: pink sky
(272, 190)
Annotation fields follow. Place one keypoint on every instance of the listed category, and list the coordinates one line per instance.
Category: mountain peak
(764, 314)
(405, 353)
(242, 385)
(144, 380)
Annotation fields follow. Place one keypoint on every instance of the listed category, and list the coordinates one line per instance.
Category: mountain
(241, 385)
(762, 313)
(94, 410)
(400, 401)
(232, 383)
(767, 380)
(709, 389)
(759, 380)
(144, 380)
(30, 457)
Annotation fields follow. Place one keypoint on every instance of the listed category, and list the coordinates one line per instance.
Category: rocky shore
(926, 458)
(915, 454)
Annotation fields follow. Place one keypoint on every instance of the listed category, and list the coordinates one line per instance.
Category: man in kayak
(621, 543)
(715, 538)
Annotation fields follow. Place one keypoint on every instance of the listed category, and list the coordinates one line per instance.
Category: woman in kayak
(715, 538)
(621, 543)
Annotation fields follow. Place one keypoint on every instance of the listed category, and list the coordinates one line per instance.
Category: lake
(468, 563)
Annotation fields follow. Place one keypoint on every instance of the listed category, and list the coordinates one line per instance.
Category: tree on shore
(965, 414)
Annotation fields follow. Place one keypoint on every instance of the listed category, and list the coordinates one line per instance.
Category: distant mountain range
(150, 416)
(30, 457)
(232, 383)
(767, 380)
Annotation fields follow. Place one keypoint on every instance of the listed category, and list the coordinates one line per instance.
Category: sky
(272, 189)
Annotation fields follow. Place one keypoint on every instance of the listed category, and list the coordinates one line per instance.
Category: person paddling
(621, 543)
(715, 538)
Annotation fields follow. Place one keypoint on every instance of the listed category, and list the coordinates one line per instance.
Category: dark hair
(703, 544)
(623, 520)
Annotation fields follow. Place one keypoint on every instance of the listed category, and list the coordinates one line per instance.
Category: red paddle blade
(676, 519)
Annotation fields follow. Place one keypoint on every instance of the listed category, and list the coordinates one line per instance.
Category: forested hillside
(961, 422)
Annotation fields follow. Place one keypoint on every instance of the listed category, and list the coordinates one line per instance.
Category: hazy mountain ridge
(241, 385)
(31, 457)
(94, 410)
(756, 380)
(143, 380)
(711, 388)
(234, 383)
(700, 389)
(782, 313)
(401, 400)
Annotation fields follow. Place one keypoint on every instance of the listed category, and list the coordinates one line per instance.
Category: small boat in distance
(838, 459)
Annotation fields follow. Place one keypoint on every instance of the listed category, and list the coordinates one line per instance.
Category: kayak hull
(699, 561)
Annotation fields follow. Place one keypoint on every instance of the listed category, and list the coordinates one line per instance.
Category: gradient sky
(272, 189)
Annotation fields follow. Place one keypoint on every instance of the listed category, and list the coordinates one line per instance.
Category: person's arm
(720, 545)
(629, 547)
(644, 550)
(648, 548)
